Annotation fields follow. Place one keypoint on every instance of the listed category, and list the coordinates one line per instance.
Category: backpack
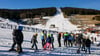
(52, 39)
(70, 38)
(42, 37)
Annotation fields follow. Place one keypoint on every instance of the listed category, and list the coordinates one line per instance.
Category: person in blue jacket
(43, 38)
(48, 43)
(70, 40)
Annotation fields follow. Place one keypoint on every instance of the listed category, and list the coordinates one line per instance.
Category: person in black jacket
(14, 41)
(88, 45)
(52, 40)
(59, 39)
(79, 42)
(17, 39)
(83, 43)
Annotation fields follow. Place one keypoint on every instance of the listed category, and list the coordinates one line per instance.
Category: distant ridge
(81, 11)
(50, 11)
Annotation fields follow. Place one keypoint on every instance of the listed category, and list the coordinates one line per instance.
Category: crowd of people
(83, 42)
(47, 41)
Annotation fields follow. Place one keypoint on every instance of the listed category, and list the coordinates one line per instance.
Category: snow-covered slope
(6, 42)
(2, 20)
(63, 24)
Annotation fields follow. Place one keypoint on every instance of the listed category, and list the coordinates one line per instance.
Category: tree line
(26, 13)
(82, 11)
(31, 13)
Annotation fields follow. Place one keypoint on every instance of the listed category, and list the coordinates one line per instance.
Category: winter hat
(42, 34)
(65, 34)
(20, 28)
(36, 34)
(49, 35)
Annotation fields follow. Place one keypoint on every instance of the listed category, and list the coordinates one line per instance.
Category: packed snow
(6, 42)
(62, 24)
(6, 28)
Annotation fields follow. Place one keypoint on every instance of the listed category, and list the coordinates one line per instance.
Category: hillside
(86, 16)
(82, 11)
(31, 13)
(26, 13)
(82, 16)
(85, 19)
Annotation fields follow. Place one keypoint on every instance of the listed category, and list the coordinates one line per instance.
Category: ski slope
(6, 42)
(63, 24)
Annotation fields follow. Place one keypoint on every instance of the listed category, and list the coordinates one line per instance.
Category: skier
(34, 41)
